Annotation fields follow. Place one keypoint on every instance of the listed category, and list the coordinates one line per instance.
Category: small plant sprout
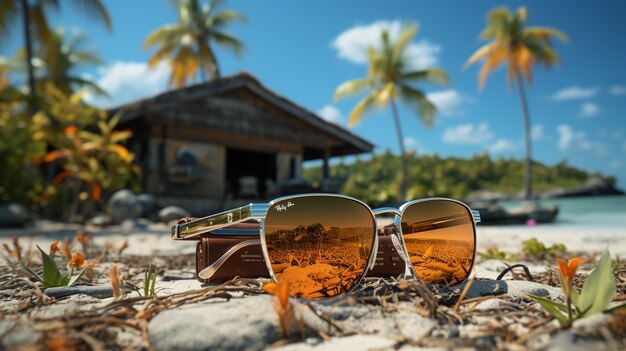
(149, 281)
(115, 282)
(52, 277)
(596, 295)
(283, 307)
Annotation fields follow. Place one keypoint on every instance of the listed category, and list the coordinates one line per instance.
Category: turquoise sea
(598, 211)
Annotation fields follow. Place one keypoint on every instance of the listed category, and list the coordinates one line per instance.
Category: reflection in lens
(319, 244)
(440, 240)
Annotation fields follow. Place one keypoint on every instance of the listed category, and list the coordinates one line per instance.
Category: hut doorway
(244, 166)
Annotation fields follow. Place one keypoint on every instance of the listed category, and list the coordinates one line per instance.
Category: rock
(100, 292)
(516, 289)
(100, 220)
(241, 324)
(123, 205)
(172, 213)
(13, 215)
(149, 204)
(16, 335)
(569, 341)
(131, 224)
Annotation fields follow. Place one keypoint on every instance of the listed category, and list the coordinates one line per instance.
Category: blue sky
(304, 50)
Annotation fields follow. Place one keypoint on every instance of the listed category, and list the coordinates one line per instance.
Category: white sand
(576, 238)
(156, 239)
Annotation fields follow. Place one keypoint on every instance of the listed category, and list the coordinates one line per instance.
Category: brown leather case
(249, 263)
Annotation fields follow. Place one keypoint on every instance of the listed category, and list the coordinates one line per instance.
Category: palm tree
(520, 47)
(34, 17)
(57, 64)
(186, 45)
(388, 81)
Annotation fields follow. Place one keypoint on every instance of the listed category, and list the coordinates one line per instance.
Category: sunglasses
(323, 245)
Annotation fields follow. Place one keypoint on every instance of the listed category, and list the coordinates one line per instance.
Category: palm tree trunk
(528, 160)
(396, 120)
(29, 55)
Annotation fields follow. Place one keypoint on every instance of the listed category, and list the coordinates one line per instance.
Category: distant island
(481, 177)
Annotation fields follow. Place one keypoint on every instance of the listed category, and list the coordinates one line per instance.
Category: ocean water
(597, 211)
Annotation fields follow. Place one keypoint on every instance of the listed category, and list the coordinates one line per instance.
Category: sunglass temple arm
(220, 220)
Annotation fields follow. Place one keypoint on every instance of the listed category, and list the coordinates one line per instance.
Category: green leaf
(553, 308)
(28, 271)
(599, 288)
(51, 275)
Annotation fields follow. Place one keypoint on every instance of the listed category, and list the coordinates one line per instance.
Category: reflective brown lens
(319, 244)
(440, 240)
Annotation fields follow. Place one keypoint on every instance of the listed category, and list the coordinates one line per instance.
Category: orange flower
(77, 260)
(54, 247)
(71, 130)
(568, 270)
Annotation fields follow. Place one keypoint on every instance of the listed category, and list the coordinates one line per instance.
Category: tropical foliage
(520, 48)
(87, 147)
(187, 45)
(390, 79)
(376, 180)
(59, 62)
(34, 18)
(595, 297)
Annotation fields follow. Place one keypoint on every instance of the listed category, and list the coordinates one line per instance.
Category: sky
(305, 50)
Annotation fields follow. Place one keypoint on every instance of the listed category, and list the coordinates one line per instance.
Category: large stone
(172, 213)
(15, 334)
(13, 215)
(124, 204)
(149, 205)
(241, 324)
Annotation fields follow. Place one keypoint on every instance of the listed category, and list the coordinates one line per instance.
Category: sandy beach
(155, 239)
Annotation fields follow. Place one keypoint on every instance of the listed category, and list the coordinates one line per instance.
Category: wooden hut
(207, 146)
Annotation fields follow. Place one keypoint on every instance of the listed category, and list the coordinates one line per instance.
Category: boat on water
(528, 212)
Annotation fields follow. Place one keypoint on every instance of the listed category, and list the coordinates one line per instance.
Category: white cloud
(331, 114)
(352, 44)
(126, 81)
(448, 102)
(616, 164)
(468, 134)
(617, 90)
(589, 109)
(574, 93)
(571, 140)
(503, 145)
(410, 143)
(537, 132)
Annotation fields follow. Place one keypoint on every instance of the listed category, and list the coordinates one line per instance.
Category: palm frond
(228, 16)
(362, 107)
(481, 53)
(9, 14)
(407, 34)
(352, 87)
(431, 75)
(229, 42)
(544, 33)
(164, 35)
(96, 10)
(426, 110)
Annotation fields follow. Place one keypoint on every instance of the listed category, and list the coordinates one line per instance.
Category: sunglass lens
(319, 244)
(440, 240)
